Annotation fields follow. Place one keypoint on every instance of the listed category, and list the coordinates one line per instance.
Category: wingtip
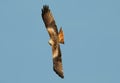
(45, 9)
(62, 77)
(60, 74)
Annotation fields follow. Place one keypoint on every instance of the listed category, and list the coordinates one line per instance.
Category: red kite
(55, 38)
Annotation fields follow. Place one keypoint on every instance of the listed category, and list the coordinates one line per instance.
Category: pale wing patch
(50, 30)
(55, 53)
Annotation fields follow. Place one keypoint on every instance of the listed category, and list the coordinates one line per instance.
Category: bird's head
(51, 42)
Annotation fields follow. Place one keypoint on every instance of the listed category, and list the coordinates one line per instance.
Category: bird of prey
(55, 38)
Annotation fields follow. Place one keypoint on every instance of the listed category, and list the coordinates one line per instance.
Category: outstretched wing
(49, 20)
(57, 60)
(53, 33)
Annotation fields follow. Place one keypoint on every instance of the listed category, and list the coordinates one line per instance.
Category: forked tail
(61, 36)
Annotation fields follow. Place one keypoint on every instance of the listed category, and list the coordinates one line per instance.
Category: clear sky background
(91, 53)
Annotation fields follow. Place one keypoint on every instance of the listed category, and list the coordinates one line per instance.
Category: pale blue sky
(91, 53)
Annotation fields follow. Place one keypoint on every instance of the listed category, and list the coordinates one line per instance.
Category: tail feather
(61, 36)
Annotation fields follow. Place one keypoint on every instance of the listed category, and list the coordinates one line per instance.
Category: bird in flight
(55, 38)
